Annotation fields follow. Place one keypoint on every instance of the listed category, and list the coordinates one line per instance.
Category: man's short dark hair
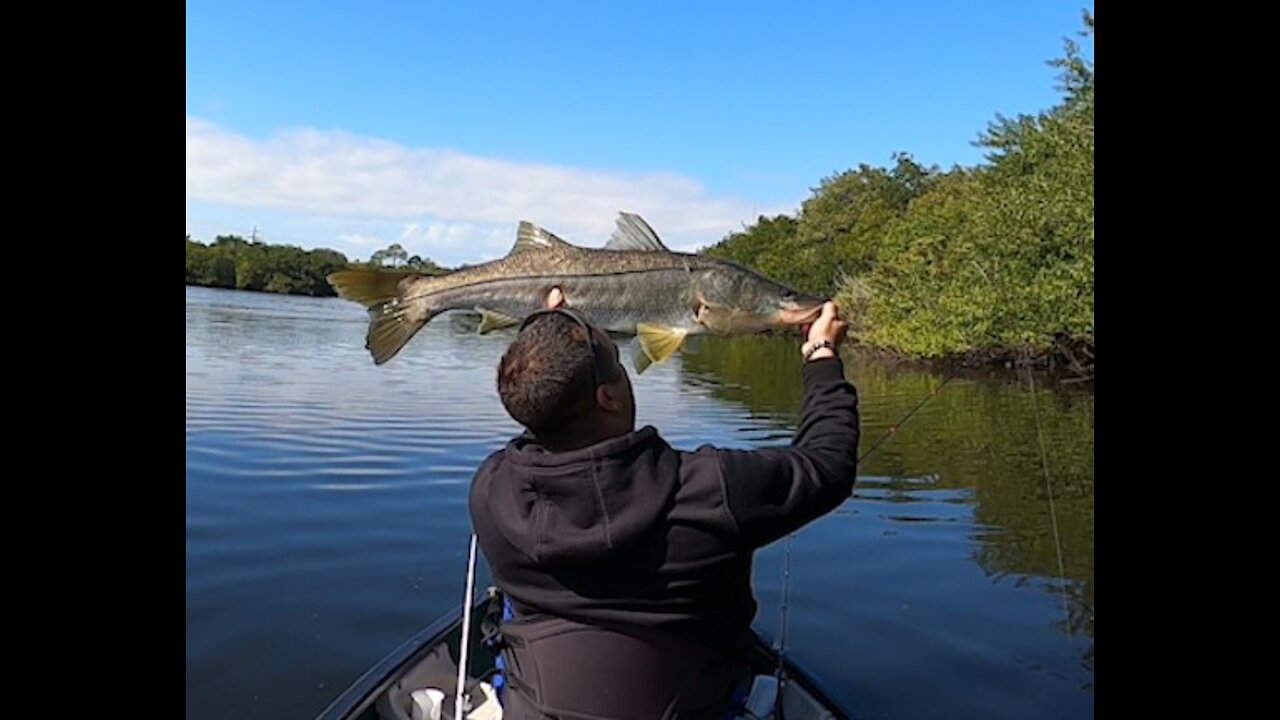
(545, 377)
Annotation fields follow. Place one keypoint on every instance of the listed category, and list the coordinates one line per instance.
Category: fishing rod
(465, 643)
(779, 677)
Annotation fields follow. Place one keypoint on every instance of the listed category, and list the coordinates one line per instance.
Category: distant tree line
(234, 262)
(932, 264)
(926, 263)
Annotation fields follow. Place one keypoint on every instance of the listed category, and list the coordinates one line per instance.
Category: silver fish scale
(618, 289)
(613, 301)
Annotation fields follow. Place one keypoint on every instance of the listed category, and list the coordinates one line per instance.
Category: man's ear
(608, 398)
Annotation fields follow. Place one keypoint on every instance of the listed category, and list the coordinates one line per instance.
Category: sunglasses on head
(599, 368)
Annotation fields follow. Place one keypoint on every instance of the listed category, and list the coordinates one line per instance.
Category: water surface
(326, 513)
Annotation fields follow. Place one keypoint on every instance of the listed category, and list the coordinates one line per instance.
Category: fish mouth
(797, 315)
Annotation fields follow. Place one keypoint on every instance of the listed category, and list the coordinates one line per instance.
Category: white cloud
(362, 193)
(361, 241)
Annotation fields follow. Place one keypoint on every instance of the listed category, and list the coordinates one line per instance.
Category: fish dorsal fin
(634, 233)
(531, 237)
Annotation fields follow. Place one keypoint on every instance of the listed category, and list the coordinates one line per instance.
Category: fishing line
(1053, 514)
(786, 573)
(893, 429)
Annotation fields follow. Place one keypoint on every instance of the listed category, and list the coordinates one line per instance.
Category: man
(628, 562)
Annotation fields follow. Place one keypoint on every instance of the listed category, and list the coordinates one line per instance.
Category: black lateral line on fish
(515, 278)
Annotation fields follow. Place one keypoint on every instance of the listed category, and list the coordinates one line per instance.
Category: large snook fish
(634, 286)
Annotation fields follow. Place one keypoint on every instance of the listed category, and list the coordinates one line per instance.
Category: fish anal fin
(659, 342)
(491, 320)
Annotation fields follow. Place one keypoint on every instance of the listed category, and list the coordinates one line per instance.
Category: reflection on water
(978, 443)
(326, 512)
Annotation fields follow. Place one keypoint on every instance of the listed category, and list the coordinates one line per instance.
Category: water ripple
(326, 514)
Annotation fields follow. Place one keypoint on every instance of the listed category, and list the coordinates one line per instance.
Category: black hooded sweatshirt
(633, 532)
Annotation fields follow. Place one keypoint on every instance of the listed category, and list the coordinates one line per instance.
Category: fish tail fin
(367, 287)
(393, 318)
(390, 329)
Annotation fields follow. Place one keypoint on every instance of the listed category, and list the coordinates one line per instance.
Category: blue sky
(440, 125)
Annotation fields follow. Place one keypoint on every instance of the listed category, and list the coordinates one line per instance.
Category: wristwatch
(808, 350)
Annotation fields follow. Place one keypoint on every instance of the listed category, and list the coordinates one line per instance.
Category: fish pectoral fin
(659, 342)
(639, 357)
(491, 320)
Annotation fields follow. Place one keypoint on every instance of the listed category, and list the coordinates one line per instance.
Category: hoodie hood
(568, 508)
